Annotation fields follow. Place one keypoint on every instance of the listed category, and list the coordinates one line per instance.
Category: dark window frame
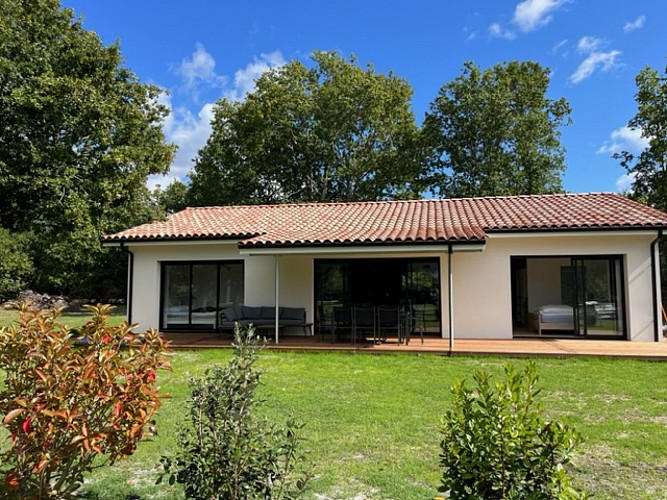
(218, 263)
(622, 277)
(346, 260)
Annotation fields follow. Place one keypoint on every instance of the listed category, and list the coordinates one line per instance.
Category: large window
(407, 282)
(193, 293)
(566, 296)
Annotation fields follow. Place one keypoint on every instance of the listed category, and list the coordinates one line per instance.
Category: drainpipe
(130, 280)
(450, 299)
(654, 284)
(277, 303)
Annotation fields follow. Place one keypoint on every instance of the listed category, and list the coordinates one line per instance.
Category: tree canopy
(333, 132)
(649, 168)
(494, 132)
(80, 134)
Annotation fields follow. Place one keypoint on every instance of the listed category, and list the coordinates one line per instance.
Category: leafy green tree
(173, 198)
(649, 168)
(16, 267)
(79, 133)
(494, 132)
(333, 132)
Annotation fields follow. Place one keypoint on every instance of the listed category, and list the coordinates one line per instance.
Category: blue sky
(203, 50)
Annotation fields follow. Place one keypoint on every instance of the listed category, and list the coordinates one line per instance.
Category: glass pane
(231, 284)
(204, 295)
(603, 307)
(176, 296)
(329, 289)
(422, 288)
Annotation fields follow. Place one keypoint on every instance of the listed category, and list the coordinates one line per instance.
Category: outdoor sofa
(264, 317)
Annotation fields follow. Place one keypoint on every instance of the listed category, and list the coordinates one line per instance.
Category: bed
(558, 317)
(178, 317)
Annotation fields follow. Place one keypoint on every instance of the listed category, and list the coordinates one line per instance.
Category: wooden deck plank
(510, 347)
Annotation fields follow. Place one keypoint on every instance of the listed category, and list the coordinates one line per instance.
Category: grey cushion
(251, 312)
(268, 312)
(292, 313)
(232, 313)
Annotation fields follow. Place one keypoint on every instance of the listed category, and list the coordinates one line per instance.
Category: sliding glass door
(569, 296)
(193, 293)
(408, 282)
(598, 296)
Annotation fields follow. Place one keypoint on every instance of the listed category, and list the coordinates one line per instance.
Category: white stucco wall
(481, 280)
(544, 281)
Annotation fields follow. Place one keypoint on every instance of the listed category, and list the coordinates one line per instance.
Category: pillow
(231, 313)
(268, 312)
(250, 312)
(292, 313)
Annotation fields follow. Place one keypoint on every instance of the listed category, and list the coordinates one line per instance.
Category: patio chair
(415, 321)
(342, 324)
(364, 322)
(325, 322)
(389, 321)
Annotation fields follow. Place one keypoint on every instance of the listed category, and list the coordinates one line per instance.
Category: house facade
(575, 265)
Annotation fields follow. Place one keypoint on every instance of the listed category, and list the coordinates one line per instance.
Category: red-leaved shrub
(66, 405)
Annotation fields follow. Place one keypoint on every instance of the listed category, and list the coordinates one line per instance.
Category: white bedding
(556, 313)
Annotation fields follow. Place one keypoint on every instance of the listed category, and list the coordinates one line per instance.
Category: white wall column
(277, 297)
(450, 299)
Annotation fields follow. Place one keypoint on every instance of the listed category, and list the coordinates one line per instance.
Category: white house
(569, 265)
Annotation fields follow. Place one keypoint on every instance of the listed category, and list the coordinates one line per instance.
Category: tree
(649, 169)
(494, 132)
(173, 198)
(334, 132)
(16, 267)
(79, 133)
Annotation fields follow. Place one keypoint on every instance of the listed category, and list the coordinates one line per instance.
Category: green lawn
(75, 320)
(371, 421)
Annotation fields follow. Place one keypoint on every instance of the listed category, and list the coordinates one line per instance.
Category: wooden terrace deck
(433, 345)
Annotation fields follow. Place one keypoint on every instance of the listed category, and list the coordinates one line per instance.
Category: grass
(74, 320)
(371, 421)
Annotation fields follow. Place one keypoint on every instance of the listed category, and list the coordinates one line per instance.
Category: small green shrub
(70, 409)
(227, 452)
(496, 445)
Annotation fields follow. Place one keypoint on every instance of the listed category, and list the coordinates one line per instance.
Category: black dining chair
(415, 322)
(389, 321)
(325, 322)
(364, 322)
(342, 324)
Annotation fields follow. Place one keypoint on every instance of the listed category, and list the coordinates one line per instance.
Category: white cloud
(637, 24)
(189, 129)
(556, 48)
(595, 60)
(198, 70)
(189, 132)
(530, 15)
(588, 44)
(497, 31)
(624, 139)
(624, 182)
(244, 79)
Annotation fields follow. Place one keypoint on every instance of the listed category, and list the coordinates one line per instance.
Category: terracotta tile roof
(422, 221)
